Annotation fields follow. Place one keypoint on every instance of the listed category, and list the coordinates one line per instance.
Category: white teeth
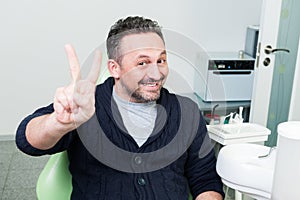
(150, 84)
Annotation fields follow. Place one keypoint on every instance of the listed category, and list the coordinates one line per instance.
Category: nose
(153, 72)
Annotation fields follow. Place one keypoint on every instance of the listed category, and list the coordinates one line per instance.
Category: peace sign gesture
(75, 103)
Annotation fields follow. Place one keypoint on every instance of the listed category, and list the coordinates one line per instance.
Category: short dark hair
(127, 26)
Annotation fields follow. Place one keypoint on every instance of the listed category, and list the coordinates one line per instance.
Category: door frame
(262, 85)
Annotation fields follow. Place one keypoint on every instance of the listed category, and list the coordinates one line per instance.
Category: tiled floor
(18, 172)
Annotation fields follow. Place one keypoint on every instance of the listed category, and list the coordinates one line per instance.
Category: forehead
(141, 42)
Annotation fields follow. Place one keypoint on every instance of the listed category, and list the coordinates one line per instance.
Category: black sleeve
(23, 144)
(201, 164)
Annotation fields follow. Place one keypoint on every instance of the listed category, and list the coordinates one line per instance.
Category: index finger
(73, 62)
(96, 67)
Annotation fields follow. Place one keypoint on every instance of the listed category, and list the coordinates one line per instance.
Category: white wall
(33, 33)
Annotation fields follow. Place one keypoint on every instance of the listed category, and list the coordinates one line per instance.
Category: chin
(146, 97)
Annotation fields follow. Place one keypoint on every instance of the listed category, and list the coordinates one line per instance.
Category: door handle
(269, 49)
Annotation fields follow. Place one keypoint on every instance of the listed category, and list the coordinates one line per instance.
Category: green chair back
(55, 180)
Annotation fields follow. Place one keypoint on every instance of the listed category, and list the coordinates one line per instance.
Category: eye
(142, 63)
(161, 61)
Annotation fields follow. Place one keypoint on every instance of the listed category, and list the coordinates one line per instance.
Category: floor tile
(8, 146)
(18, 172)
(23, 161)
(19, 194)
(3, 176)
(22, 178)
(5, 160)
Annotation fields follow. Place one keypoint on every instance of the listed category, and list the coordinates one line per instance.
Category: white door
(279, 32)
(294, 113)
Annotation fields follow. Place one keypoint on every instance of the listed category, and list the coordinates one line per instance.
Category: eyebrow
(164, 52)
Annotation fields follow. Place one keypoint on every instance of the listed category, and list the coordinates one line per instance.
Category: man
(136, 114)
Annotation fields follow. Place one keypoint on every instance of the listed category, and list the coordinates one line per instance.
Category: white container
(287, 166)
(238, 133)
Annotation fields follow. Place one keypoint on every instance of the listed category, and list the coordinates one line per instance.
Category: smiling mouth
(153, 84)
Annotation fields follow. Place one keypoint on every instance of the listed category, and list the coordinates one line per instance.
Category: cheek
(164, 71)
(133, 76)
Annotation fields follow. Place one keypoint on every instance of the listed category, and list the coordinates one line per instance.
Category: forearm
(209, 195)
(45, 131)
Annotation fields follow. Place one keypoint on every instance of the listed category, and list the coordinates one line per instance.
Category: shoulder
(184, 101)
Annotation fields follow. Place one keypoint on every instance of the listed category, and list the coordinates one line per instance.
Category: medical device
(224, 77)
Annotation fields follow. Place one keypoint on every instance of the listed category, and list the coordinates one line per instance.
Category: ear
(114, 68)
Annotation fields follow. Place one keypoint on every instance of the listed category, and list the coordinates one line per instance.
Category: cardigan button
(138, 160)
(141, 181)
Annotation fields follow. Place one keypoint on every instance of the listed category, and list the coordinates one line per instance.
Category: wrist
(52, 124)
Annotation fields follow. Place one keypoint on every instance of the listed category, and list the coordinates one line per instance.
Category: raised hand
(75, 103)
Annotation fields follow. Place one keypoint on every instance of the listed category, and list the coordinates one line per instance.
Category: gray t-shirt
(138, 118)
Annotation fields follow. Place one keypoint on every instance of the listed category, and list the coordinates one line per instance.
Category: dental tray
(237, 133)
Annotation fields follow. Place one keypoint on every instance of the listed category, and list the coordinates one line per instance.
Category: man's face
(143, 68)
